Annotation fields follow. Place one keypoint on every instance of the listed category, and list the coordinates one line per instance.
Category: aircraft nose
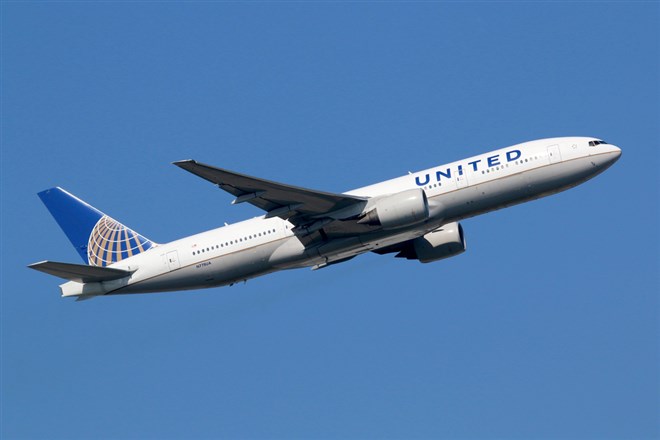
(616, 152)
(613, 154)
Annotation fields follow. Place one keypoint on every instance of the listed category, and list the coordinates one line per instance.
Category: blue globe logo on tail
(99, 240)
(110, 241)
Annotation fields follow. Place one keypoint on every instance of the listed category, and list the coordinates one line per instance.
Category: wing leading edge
(308, 209)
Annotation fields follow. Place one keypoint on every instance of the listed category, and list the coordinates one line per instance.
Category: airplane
(415, 216)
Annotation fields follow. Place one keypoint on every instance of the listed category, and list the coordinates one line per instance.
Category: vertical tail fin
(99, 239)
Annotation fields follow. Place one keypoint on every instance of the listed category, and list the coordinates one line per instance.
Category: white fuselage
(455, 191)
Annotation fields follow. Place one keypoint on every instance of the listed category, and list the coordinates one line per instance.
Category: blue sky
(547, 327)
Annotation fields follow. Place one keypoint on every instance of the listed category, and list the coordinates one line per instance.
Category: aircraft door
(173, 260)
(553, 154)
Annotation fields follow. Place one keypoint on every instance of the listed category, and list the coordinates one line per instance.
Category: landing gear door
(173, 260)
(553, 154)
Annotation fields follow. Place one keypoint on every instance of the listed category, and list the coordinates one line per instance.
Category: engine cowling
(398, 210)
(444, 242)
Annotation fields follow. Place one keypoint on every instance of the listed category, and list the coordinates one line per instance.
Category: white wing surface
(308, 209)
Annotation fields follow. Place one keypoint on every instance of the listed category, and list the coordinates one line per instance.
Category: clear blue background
(546, 328)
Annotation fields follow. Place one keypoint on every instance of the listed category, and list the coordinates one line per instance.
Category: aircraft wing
(303, 207)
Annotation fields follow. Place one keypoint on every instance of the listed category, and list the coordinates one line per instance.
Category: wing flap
(80, 273)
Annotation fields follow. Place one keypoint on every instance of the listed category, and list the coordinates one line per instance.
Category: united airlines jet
(415, 217)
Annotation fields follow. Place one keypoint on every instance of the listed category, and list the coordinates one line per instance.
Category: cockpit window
(594, 143)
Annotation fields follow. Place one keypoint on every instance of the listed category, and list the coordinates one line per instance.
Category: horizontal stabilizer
(80, 273)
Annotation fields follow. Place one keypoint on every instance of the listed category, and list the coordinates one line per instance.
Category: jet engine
(397, 210)
(444, 242)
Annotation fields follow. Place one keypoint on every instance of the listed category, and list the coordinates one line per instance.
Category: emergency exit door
(553, 154)
(173, 260)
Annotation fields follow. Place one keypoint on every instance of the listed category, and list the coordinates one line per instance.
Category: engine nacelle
(445, 242)
(398, 210)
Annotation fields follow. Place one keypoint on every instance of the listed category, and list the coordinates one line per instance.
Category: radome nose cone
(613, 155)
